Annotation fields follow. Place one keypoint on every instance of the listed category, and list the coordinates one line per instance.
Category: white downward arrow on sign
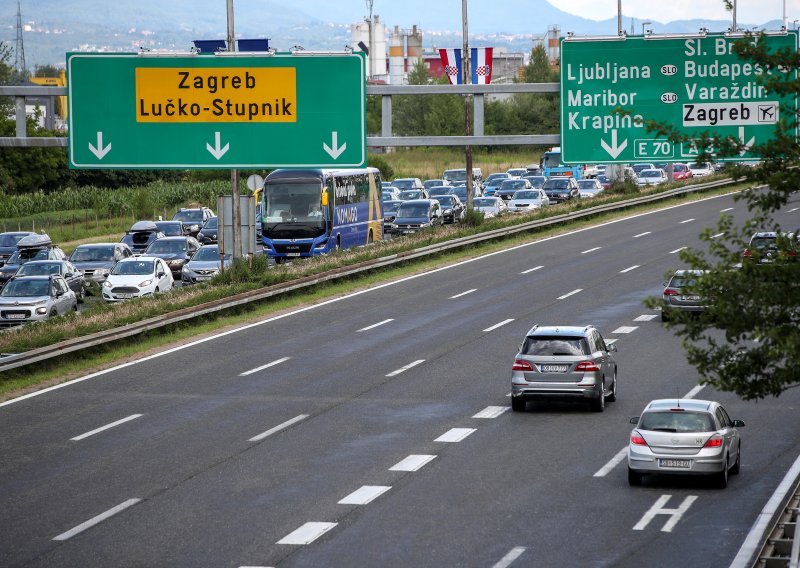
(336, 150)
(748, 144)
(215, 150)
(614, 150)
(98, 150)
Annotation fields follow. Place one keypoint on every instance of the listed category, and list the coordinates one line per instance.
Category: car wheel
(612, 397)
(599, 403)
(664, 315)
(518, 404)
(738, 465)
(722, 477)
(53, 314)
(634, 478)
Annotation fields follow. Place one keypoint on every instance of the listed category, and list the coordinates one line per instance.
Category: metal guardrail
(782, 547)
(386, 92)
(78, 344)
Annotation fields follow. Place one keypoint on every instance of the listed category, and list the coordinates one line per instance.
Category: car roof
(96, 245)
(421, 201)
(36, 277)
(174, 238)
(140, 257)
(144, 226)
(570, 330)
(687, 403)
(691, 271)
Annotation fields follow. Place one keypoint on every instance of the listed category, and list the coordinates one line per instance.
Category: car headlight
(107, 284)
(194, 227)
(146, 283)
(175, 262)
(423, 225)
(102, 272)
(41, 311)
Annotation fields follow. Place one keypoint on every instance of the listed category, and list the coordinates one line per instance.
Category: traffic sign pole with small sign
(216, 111)
(695, 83)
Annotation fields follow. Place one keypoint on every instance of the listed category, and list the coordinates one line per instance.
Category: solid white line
(371, 289)
(591, 250)
(463, 293)
(751, 544)
(623, 453)
(626, 329)
(491, 412)
(646, 317)
(454, 435)
(641, 234)
(374, 325)
(279, 427)
(95, 520)
(717, 235)
(506, 561)
(634, 267)
(686, 221)
(792, 210)
(106, 427)
(677, 250)
(365, 494)
(501, 324)
(267, 366)
(531, 269)
(406, 368)
(307, 534)
(413, 462)
(726, 209)
(568, 294)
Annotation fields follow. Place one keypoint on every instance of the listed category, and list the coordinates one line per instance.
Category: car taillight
(747, 253)
(520, 365)
(637, 440)
(586, 366)
(670, 292)
(714, 441)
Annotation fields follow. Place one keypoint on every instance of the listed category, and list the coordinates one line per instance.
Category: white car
(589, 187)
(517, 173)
(489, 206)
(528, 200)
(652, 176)
(136, 277)
(701, 169)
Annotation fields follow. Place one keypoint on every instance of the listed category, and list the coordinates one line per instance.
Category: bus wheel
(369, 238)
(338, 242)
(278, 260)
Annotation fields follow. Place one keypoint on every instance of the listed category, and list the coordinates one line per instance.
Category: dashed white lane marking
(659, 508)
(677, 250)
(686, 221)
(374, 325)
(718, 235)
(626, 329)
(406, 368)
(491, 412)
(726, 209)
(642, 234)
(501, 324)
(106, 427)
(513, 554)
(646, 317)
(455, 435)
(608, 342)
(568, 294)
(634, 267)
(463, 293)
(792, 210)
(623, 453)
(531, 269)
(591, 250)
(98, 519)
(413, 462)
(307, 533)
(279, 427)
(267, 366)
(365, 494)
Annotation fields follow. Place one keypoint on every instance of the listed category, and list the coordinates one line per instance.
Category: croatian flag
(481, 65)
(451, 61)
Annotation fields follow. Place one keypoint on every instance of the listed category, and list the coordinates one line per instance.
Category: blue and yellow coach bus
(311, 212)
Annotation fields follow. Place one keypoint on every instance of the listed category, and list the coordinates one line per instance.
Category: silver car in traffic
(684, 437)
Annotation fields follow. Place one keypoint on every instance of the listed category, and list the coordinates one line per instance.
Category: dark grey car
(679, 295)
(8, 243)
(64, 268)
(96, 260)
(564, 362)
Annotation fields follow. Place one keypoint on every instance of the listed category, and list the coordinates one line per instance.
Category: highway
(374, 430)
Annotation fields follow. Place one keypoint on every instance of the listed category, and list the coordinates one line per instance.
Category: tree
(427, 115)
(538, 69)
(748, 340)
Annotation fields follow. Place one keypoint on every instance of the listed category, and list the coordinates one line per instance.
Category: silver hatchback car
(688, 437)
(566, 362)
(679, 296)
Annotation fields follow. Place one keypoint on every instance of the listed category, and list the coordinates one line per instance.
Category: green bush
(375, 161)
(473, 218)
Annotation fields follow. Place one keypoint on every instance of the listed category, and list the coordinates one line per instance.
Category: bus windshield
(293, 210)
(551, 160)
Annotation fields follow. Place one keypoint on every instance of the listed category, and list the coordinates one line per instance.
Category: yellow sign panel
(216, 94)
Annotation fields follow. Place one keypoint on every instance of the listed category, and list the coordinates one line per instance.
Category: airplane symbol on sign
(766, 113)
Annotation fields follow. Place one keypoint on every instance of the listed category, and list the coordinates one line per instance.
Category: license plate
(201, 278)
(691, 298)
(554, 368)
(292, 254)
(124, 296)
(681, 464)
(407, 232)
(15, 316)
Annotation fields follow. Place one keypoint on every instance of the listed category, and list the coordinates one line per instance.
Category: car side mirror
(634, 420)
(161, 275)
(68, 275)
(738, 423)
(612, 347)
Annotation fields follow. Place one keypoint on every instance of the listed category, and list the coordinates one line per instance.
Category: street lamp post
(235, 177)
(465, 60)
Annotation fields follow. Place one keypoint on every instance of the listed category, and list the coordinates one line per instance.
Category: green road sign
(695, 83)
(216, 111)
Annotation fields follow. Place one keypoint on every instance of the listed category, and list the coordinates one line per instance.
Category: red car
(681, 172)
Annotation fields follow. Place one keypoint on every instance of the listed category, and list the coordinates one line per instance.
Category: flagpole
(465, 60)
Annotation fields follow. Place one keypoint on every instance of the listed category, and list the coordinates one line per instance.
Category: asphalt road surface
(375, 430)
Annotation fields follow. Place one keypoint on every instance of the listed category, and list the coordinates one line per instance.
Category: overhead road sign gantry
(693, 82)
(233, 111)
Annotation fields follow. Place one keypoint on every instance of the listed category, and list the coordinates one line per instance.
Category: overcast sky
(746, 10)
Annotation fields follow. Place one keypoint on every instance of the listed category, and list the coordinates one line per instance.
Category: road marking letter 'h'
(658, 509)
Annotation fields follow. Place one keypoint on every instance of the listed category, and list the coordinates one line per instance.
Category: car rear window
(555, 345)
(671, 421)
